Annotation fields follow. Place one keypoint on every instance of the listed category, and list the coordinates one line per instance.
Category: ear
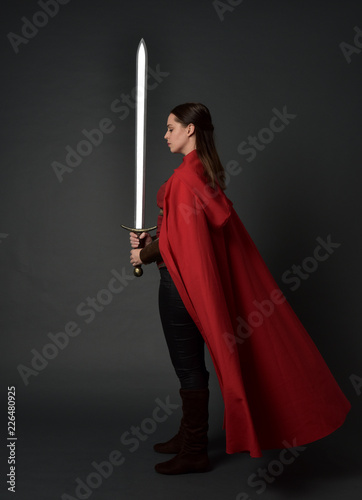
(190, 129)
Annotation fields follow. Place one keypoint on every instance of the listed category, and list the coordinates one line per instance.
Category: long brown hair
(198, 114)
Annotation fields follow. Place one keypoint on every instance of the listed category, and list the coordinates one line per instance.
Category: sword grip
(137, 270)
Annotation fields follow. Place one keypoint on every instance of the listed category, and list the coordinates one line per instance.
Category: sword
(141, 113)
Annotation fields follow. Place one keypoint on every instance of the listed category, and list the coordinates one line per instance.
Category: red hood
(214, 203)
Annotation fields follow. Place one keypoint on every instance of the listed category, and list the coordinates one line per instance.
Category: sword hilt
(137, 270)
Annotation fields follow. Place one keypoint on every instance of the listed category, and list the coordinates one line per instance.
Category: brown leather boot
(174, 445)
(193, 456)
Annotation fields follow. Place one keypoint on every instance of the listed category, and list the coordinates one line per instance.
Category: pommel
(137, 270)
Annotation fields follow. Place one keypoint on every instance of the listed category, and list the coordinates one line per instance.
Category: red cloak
(277, 389)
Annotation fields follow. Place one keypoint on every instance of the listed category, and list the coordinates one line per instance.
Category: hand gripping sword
(141, 113)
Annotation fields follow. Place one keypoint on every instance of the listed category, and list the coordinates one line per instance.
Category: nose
(165, 136)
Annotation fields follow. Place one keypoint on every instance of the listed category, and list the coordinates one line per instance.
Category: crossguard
(137, 270)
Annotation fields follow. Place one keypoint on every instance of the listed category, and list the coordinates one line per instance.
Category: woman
(215, 288)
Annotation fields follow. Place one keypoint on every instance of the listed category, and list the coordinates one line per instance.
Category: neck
(189, 148)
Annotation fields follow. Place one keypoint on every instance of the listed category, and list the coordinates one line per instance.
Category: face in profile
(180, 139)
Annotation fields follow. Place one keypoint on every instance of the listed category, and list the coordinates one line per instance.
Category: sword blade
(141, 113)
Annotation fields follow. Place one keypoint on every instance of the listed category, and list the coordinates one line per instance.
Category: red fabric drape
(276, 387)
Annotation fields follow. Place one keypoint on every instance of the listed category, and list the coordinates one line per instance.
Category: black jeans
(184, 341)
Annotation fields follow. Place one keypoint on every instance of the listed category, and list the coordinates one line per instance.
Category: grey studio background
(81, 340)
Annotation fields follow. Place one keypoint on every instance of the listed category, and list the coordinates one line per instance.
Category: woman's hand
(135, 243)
(135, 239)
(135, 257)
